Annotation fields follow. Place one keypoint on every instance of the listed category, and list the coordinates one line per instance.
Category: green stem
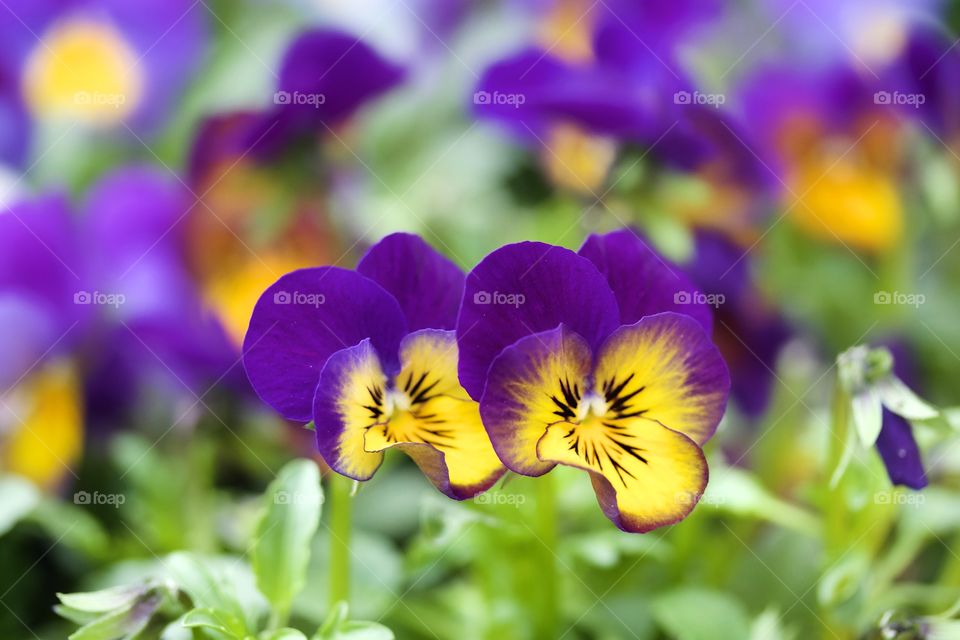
(835, 517)
(546, 526)
(339, 489)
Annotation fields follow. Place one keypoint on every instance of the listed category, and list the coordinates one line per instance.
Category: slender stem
(339, 489)
(546, 525)
(835, 517)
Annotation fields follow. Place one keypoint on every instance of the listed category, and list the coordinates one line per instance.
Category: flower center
(83, 70)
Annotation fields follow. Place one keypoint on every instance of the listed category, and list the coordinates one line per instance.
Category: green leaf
(223, 621)
(102, 601)
(337, 627)
(700, 614)
(736, 491)
(122, 624)
(221, 584)
(283, 634)
(18, 497)
(291, 515)
(363, 631)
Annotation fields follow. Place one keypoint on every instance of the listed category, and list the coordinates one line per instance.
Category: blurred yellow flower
(44, 421)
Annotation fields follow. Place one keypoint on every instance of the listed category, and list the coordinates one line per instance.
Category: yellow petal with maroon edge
(645, 475)
(664, 368)
(432, 419)
(348, 401)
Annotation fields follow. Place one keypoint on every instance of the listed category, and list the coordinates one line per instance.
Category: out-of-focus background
(163, 161)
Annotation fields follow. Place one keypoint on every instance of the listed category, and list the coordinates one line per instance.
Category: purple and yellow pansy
(370, 356)
(41, 397)
(576, 363)
(600, 360)
(103, 63)
(237, 167)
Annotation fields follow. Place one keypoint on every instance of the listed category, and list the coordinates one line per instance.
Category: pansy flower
(584, 360)
(749, 330)
(153, 338)
(103, 63)
(834, 147)
(41, 399)
(607, 75)
(245, 229)
(371, 357)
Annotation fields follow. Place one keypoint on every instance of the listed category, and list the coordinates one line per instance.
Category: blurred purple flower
(103, 62)
(152, 328)
(748, 329)
(325, 77)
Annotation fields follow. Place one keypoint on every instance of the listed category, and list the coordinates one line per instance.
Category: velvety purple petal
(325, 77)
(526, 288)
(427, 285)
(900, 453)
(302, 319)
(643, 282)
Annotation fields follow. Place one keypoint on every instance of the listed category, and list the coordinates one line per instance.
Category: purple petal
(302, 319)
(531, 90)
(29, 333)
(170, 39)
(427, 285)
(526, 288)
(900, 453)
(325, 76)
(643, 282)
(14, 121)
(749, 331)
(39, 257)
